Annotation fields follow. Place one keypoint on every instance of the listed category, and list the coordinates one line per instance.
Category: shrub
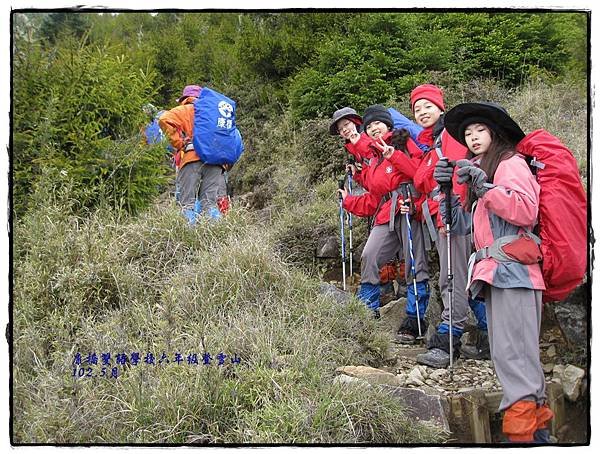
(76, 108)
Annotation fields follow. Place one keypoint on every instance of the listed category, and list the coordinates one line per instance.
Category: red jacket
(381, 176)
(362, 151)
(423, 177)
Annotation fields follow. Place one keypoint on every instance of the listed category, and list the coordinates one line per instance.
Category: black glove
(473, 176)
(443, 172)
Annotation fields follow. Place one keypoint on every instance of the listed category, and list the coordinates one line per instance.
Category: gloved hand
(443, 171)
(454, 206)
(473, 176)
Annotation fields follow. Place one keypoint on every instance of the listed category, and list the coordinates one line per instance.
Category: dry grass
(152, 284)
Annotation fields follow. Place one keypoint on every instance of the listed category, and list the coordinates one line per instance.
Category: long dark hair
(500, 149)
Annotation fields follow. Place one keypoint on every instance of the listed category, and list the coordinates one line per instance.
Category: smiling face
(376, 129)
(478, 138)
(346, 128)
(426, 113)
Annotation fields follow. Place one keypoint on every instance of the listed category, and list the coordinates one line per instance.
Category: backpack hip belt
(522, 248)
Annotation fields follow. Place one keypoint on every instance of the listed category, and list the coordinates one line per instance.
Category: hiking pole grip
(447, 190)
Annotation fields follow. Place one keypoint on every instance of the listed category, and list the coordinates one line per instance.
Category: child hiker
(387, 176)
(506, 266)
(427, 105)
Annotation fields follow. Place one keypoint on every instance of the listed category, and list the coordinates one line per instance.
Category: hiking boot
(542, 436)
(435, 357)
(405, 338)
(409, 330)
(481, 350)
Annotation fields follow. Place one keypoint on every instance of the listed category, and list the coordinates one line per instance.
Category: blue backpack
(401, 122)
(216, 138)
(153, 132)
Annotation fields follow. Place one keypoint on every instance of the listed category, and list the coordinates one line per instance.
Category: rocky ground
(563, 351)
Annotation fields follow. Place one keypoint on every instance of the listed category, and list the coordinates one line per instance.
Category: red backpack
(562, 214)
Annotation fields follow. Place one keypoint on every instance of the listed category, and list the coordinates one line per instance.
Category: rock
(427, 405)
(348, 380)
(415, 377)
(370, 374)
(402, 379)
(423, 370)
(392, 315)
(557, 372)
(571, 316)
(328, 248)
(551, 352)
(548, 368)
(331, 290)
(438, 374)
(571, 382)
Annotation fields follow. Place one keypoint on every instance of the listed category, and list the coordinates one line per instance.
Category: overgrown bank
(152, 284)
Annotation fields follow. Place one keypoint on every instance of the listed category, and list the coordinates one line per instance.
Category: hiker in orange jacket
(200, 185)
(506, 266)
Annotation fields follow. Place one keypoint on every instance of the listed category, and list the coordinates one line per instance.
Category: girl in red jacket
(345, 123)
(427, 104)
(387, 175)
(506, 265)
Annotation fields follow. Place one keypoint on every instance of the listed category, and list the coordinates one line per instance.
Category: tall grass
(152, 284)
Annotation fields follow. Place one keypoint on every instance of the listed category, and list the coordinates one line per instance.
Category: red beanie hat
(430, 93)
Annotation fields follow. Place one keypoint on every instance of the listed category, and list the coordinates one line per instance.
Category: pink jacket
(510, 208)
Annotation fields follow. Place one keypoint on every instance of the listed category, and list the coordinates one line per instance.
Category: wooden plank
(479, 416)
(556, 402)
(493, 401)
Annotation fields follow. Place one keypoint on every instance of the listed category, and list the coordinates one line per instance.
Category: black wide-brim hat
(493, 115)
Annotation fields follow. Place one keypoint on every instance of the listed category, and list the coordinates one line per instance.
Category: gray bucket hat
(344, 112)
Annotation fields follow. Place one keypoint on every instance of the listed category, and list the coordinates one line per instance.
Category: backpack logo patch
(225, 109)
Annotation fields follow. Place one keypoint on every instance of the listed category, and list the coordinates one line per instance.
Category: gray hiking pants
(514, 317)
(205, 180)
(383, 246)
(461, 250)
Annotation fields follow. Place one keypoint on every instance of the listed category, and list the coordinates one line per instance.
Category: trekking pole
(448, 191)
(341, 186)
(413, 269)
(350, 221)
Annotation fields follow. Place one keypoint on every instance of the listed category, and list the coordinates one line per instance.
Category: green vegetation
(100, 284)
(80, 80)
(104, 262)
